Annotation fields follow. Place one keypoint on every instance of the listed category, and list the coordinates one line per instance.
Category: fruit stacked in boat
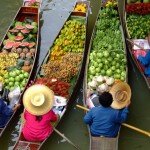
(138, 34)
(107, 59)
(17, 54)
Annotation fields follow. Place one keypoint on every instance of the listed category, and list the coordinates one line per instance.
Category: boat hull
(35, 145)
(130, 48)
(22, 14)
(101, 143)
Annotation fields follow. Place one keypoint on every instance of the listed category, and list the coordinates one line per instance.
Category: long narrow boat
(106, 62)
(137, 20)
(62, 68)
(18, 51)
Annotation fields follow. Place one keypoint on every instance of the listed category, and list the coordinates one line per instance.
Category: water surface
(53, 16)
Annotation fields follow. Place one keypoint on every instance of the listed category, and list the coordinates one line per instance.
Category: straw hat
(121, 93)
(38, 99)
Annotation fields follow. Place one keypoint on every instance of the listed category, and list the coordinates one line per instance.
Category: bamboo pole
(134, 44)
(124, 124)
(64, 137)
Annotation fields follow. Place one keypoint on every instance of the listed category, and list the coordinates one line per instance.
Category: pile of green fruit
(107, 56)
(138, 26)
(137, 1)
(16, 78)
(106, 63)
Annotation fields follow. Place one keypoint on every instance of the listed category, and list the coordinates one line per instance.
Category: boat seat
(103, 143)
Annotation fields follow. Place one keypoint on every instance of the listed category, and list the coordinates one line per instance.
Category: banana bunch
(1, 79)
(2, 73)
(7, 60)
(80, 7)
(111, 4)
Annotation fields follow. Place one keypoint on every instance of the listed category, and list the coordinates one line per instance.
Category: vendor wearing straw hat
(105, 120)
(38, 101)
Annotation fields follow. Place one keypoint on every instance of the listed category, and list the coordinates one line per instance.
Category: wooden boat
(43, 78)
(16, 45)
(102, 143)
(133, 43)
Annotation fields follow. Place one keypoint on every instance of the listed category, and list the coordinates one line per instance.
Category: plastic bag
(14, 96)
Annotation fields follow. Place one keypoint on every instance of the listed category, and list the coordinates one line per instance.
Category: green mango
(35, 30)
(12, 37)
(34, 24)
(18, 23)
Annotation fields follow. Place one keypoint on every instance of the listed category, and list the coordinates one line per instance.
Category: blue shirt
(105, 121)
(145, 61)
(5, 113)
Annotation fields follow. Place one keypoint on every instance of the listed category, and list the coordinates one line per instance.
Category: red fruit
(19, 38)
(31, 45)
(24, 44)
(25, 31)
(19, 27)
(30, 27)
(17, 44)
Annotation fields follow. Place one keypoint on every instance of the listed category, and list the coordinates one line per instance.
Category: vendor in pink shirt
(38, 101)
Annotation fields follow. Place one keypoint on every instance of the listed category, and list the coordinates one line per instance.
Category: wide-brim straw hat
(38, 99)
(121, 93)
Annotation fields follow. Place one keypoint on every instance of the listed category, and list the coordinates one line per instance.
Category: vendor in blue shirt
(145, 61)
(106, 118)
(5, 110)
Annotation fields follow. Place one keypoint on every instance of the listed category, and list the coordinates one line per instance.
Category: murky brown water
(53, 16)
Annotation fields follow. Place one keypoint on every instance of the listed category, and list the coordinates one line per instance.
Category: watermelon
(17, 44)
(24, 44)
(13, 31)
(19, 27)
(9, 44)
(25, 31)
(19, 38)
(30, 27)
(32, 44)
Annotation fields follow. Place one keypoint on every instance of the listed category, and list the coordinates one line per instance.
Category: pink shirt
(34, 130)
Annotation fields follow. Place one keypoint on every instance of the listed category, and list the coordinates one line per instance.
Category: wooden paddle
(124, 124)
(148, 38)
(63, 136)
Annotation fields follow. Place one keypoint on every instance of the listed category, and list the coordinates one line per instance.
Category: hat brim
(33, 91)
(123, 86)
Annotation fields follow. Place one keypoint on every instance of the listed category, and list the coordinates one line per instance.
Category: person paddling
(105, 120)
(38, 101)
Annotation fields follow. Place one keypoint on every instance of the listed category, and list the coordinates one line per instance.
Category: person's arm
(89, 103)
(88, 118)
(5, 109)
(122, 115)
(89, 93)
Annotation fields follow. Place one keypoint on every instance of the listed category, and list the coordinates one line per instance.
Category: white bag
(14, 96)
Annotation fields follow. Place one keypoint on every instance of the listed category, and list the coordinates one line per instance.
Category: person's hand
(58, 117)
(89, 92)
(127, 105)
(17, 106)
(22, 119)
